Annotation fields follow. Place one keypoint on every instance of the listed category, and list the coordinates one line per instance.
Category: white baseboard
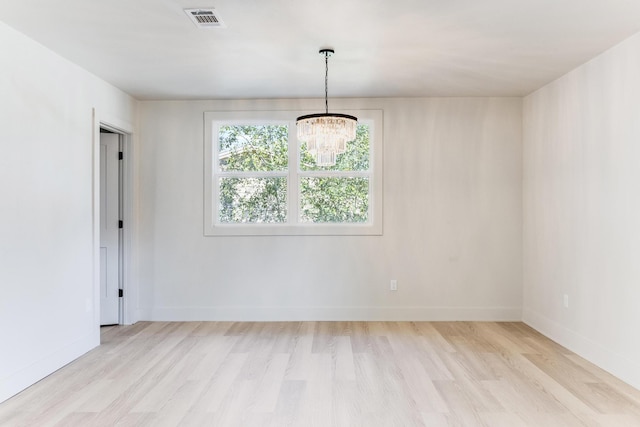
(596, 353)
(269, 314)
(46, 365)
(143, 314)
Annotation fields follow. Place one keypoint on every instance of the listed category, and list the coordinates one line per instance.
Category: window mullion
(293, 193)
(251, 174)
(336, 174)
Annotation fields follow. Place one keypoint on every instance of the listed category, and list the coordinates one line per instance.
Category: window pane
(253, 148)
(253, 200)
(356, 158)
(343, 200)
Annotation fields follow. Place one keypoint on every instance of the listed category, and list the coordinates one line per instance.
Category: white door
(109, 228)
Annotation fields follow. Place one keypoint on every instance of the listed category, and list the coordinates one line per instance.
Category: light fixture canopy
(326, 134)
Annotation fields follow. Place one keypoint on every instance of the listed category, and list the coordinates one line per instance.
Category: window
(260, 181)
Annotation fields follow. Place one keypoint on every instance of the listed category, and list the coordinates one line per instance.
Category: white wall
(582, 210)
(47, 296)
(452, 223)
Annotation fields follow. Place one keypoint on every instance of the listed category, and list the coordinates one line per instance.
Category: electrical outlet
(566, 301)
(393, 286)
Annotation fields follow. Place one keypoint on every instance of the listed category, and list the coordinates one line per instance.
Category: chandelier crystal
(326, 134)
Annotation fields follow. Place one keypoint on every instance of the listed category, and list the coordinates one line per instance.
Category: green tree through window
(253, 148)
(256, 148)
(255, 160)
(337, 199)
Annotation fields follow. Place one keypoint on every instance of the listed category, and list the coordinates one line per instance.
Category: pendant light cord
(326, 82)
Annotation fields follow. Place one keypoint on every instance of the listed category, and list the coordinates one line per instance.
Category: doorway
(111, 228)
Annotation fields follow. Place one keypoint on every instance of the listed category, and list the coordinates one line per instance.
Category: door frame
(127, 312)
(113, 164)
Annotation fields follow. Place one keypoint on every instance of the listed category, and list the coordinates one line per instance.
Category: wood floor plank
(300, 358)
(420, 385)
(268, 387)
(604, 377)
(343, 359)
(288, 406)
(289, 374)
(219, 385)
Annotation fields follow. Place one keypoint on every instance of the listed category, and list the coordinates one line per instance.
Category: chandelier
(326, 134)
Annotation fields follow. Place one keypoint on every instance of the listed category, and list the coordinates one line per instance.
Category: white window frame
(212, 227)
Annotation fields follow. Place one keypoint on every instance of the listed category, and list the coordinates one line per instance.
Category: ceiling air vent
(204, 18)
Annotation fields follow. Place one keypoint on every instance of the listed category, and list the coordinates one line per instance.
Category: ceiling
(269, 48)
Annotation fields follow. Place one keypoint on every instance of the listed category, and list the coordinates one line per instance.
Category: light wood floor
(324, 374)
